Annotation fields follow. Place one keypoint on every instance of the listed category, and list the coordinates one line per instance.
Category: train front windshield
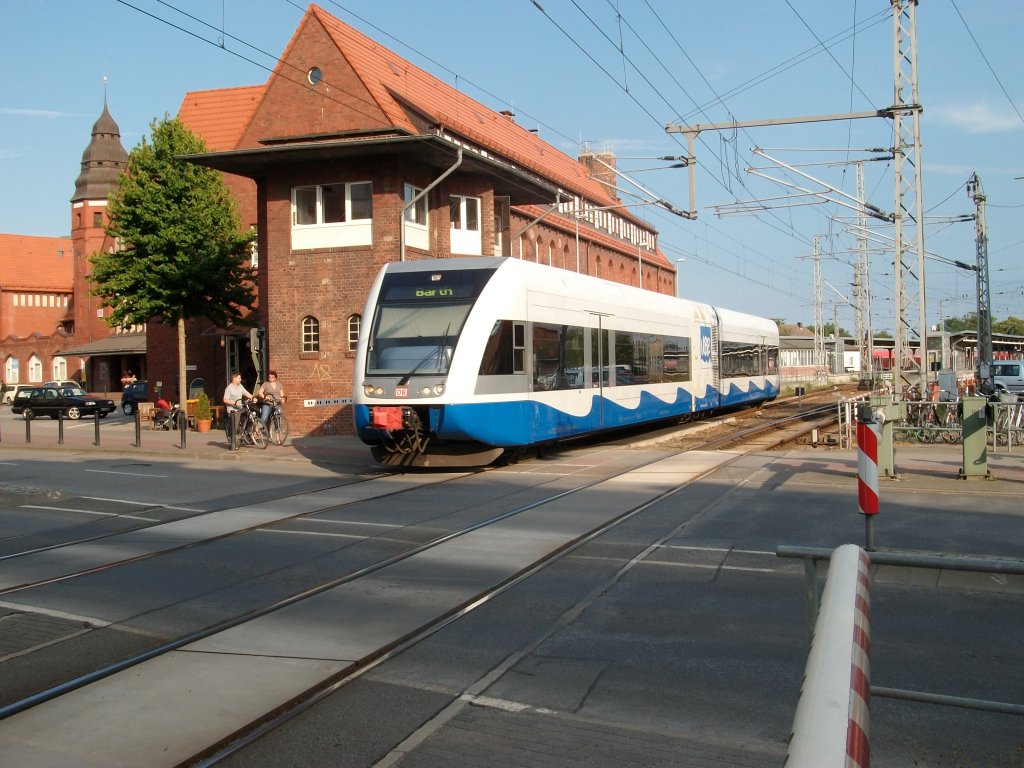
(418, 319)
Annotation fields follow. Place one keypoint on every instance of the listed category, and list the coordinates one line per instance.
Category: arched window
(35, 370)
(353, 332)
(310, 334)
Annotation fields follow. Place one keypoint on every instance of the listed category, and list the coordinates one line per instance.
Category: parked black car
(73, 402)
(133, 394)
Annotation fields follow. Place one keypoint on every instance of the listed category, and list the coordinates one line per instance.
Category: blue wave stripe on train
(526, 422)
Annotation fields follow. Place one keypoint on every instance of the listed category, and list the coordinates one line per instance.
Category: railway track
(264, 637)
(772, 425)
(584, 500)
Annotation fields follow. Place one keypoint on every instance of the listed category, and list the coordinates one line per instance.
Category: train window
(741, 359)
(676, 359)
(497, 359)
(505, 352)
(633, 357)
(557, 357)
(519, 348)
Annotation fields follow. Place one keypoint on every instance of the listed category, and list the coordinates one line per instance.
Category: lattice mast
(862, 286)
(909, 206)
(819, 328)
(974, 191)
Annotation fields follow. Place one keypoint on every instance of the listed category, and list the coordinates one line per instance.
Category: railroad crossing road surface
(179, 704)
(597, 696)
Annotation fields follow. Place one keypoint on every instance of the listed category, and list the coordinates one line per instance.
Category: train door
(707, 371)
(596, 362)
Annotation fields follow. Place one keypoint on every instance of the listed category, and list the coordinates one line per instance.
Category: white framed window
(415, 218)
(35, 370)
(11, 370)
(332, 215)
(417, 214)
(60, 368)
(354, 323)
(310, 334)
(465, 224)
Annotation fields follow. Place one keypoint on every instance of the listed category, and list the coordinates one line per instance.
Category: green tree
(181, 253)
(1013, 326)
(968, 322)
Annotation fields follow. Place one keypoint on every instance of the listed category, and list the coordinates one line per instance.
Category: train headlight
(425, 391)
(439, 389)
(370, 390)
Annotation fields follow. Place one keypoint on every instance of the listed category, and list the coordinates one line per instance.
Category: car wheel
(128, 408)
(74, 413)
(28, 415)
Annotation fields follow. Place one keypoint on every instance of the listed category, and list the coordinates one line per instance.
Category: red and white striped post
(868, 435)
(832, 724)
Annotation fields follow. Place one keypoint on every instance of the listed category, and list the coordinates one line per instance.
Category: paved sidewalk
(117, 436)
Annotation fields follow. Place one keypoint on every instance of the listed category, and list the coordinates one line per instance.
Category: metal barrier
(847, 417)
(832, 722)
(1006, 427)
(812, 556)
(927, 421)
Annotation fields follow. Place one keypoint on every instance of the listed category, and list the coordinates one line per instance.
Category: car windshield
(73, 392)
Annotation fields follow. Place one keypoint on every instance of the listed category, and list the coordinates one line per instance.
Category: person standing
(232, 394)
(270, 392)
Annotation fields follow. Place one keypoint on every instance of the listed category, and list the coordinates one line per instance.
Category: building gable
(292, 106)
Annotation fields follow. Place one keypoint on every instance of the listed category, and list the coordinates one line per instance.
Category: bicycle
(251, 431)
(277, 424)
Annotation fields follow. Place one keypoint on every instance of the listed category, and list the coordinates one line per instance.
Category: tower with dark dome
(103, 162)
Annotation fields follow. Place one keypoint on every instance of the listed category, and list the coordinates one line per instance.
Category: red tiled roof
(393, 80)
(403, 93)
(33, 263)
(220, 116)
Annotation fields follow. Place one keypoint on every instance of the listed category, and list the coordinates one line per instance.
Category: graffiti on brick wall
(322, 373)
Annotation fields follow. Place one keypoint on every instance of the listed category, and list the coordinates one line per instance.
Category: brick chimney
(597, 164)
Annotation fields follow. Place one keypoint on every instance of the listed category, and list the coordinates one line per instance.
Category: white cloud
(977, 117)
(49, 114)
(7, 154)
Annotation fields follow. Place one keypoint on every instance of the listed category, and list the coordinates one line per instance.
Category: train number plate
(401, 391)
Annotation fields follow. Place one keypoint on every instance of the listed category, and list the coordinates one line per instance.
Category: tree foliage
(182, 254)
(1013, 326)
(968, 322)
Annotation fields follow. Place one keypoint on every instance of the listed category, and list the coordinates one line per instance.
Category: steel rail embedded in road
(294, 600)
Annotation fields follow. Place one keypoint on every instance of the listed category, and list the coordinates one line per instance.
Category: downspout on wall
(417, 198)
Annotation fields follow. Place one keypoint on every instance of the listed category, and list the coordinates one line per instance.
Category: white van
(1009, 373)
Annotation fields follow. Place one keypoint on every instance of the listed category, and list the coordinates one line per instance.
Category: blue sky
(611, 73)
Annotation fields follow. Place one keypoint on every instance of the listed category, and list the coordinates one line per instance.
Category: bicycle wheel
(258, 434)
(279, 428)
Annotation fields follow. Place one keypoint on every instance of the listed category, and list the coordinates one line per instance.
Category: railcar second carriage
(464, 359)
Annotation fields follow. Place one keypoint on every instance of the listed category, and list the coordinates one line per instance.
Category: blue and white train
(462, 360)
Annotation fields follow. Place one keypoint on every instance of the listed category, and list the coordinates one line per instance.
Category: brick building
(350, 157)
(50, 325)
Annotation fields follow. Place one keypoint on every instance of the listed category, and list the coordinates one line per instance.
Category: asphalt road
(677, 631)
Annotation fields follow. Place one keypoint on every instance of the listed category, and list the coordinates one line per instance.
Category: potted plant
(204, 415)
